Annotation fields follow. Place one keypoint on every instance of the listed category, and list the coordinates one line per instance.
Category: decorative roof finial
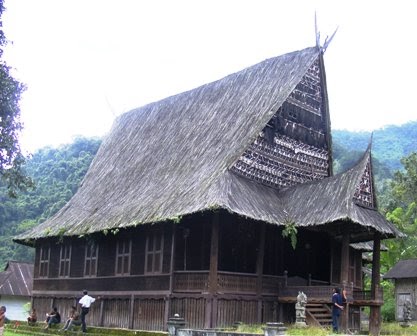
(316, 30)
(327, 40)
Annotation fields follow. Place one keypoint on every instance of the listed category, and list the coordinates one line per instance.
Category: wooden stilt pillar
(375, 313)
(260, 269)
(344, 276)
(171, 275)
(101, 318)
(211, 319)
(132, 312)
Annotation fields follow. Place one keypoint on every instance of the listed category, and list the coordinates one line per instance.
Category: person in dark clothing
(33, 317)
(336, 309)
(52, 318)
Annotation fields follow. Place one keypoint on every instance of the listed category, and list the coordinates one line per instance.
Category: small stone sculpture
(407, 307)
(300, 310)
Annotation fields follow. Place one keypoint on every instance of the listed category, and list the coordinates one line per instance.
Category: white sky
(87, 61)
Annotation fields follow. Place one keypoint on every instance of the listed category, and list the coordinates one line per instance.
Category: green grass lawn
(387, 329)
(393, 329)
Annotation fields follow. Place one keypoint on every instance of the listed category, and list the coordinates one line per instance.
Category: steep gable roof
(174, 157)
(16, 279)
(403, 269)
(166, 159)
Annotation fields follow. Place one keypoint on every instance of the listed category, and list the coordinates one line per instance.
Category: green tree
(57, 173)
(11, 157)
(402, 211)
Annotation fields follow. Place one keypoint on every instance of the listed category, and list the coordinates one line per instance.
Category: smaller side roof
(403, 269)
(331, 199)
(17, 279)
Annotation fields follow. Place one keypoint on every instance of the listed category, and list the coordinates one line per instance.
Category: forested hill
(389, 144)
(57, 173)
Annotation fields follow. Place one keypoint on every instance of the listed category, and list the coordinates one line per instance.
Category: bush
(388, 309)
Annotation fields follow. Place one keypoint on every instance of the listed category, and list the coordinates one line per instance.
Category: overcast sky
(87, 61)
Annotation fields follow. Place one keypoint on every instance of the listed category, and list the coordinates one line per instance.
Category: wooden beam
(344, 274)
(344, 263)
(214, 254)
(375, 312)
(132, 311)
(213, 274)
(260, 268)
(171, 263)
(171, 274)
(101, 317)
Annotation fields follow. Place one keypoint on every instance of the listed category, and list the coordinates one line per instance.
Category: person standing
(2, 319)
(336, 309)
(85, 303)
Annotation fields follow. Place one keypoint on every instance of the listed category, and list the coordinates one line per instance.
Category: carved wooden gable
(364, 193)
(293, 147)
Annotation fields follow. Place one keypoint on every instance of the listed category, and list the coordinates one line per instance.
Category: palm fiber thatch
(172, 157)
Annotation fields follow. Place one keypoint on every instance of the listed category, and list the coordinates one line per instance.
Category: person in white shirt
(85, 303)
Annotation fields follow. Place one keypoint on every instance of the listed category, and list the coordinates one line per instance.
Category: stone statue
(300, 309)
(407, 307)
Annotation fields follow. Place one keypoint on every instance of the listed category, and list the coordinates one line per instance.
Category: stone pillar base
(406, 324)
(300, 325)
(274, 329)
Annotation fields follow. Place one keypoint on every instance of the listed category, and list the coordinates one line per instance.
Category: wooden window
(154, 252)
(90, 264)
(44, 262)
(123, 257)
(65, 261)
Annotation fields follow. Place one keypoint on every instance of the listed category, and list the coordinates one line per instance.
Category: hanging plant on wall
(290, 232)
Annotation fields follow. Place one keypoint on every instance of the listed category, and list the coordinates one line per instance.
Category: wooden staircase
(318, 314)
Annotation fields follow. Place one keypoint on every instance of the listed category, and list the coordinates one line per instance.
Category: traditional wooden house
(404, 275)
(184, 206)
(16, 289)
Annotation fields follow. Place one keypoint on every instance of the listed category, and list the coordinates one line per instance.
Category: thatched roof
(332, 200)
(172, 158)
(403, 269)
(16, 279)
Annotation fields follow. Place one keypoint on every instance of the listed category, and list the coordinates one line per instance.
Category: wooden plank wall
(115, 313)
(230, 311)
(149, 314)
(44, 305)
(405, 289)
(270, 311)
(193, 310)
(64, 306)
